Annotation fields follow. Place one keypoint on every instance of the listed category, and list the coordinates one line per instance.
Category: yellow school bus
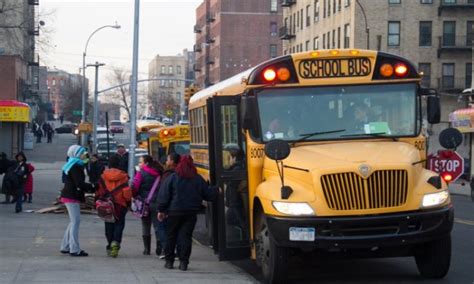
(345, 129)
(143, 131)
(167, 140)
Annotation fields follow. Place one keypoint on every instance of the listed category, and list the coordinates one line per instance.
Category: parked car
(183, 122)
(102, 152)
(116, 126)
(66, 128)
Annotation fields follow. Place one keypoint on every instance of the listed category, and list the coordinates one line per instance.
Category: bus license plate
(302, 234)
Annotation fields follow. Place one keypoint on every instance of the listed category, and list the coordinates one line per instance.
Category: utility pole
(96, 102)
(133, 89)
(367, 30)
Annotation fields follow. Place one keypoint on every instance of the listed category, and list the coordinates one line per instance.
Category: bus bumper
(380, 231)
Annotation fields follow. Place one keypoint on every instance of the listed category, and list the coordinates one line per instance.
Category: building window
(339, 5)
(449, 1)
(426, 69)
(425, 33)
(316, 43)
(339, 37)
(333, 38)
(469, 75)
(449, 33)
(448, 76)
(334, 7)
(273, 5)
(393, 33)
(170, 69)
(162, 83)
(54, 82)
(346, 35)
(178, 69)
(273, 51)
(324, 41)
(329, 8)
(163, 69)
(273, 29)
(328, 36)
(301, 12)
(394, 1)
(426, 1)
(316, 10)
(178, 83)
(347, 3)
(297, 19)
(307, 45)
(324, 9)
(308, 17)
(470, 32)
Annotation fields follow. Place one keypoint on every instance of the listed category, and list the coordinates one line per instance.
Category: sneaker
(169, 264)
(162, 256)
(109, 250)
(64, 251)
(114, 249)
(81, 253)
(183, 266)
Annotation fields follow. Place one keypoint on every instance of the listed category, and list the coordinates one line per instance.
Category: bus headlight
(293, 208)
(434, 199)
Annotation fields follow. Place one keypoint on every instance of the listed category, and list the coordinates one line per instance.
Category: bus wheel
(433, 258)
(272, 259)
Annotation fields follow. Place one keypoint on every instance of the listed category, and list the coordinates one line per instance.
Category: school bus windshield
(347, 111)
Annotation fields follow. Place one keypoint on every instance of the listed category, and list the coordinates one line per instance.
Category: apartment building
(166, 96)
(437, 35)
(65, 91)
(232, 36)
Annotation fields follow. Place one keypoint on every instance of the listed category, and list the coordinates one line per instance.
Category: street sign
(77, 112)
(85, 127)
(169, 112)
(447, 162)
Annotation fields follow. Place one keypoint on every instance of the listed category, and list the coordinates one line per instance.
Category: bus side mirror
(433, 109)
(248, 109)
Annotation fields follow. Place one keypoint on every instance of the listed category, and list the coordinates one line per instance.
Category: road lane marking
(465, 222)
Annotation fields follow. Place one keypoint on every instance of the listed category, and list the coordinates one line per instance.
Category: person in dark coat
(123, 156)
(72, 195)
(5, 165)
(38, 135)
(94, 170)
(50, 133)
(179, 200)
(21, 172)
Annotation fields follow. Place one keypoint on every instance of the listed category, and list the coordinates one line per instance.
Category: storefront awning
(14, 111)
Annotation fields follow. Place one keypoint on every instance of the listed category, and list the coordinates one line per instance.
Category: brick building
(232, 36)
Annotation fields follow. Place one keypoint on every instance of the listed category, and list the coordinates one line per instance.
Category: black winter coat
(179, 195)
(75, 185)
(95, 170)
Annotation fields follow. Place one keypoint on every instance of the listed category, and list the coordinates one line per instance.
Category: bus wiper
(377, 134)
(308, 135)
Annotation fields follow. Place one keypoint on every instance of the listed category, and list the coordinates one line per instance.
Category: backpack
(105, 205)
(141, 208)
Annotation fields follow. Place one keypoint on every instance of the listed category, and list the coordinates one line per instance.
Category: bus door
(228, 171)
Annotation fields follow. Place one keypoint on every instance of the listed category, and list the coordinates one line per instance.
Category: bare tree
(119, 77)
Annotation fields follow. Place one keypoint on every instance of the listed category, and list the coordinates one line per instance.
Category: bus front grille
(349, 191)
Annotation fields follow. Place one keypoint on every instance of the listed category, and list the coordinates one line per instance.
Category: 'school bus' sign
(341, 67)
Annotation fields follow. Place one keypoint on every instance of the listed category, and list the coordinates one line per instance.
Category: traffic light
(188, 93)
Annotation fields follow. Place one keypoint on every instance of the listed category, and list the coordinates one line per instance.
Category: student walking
(114, 183)
(179, 200)
(72, 195)
(145, 186)
(21, 173)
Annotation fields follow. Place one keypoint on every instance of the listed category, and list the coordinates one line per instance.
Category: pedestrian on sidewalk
(179, 200)
(115, 182)
(39, 135)
(6, 166)
(123, 155)
(172, 161)
(72, 195)
(28, 194)
(94, 169)
(143, 184)
(50, 133)
(21, 173)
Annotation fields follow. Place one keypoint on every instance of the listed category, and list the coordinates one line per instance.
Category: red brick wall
(12, 70)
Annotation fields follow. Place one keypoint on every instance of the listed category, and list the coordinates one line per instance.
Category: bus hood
(346, 155)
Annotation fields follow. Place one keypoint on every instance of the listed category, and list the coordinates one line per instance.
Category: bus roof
(149, 124)
(238, 83)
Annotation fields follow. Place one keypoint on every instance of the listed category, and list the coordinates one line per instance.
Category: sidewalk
(29, 242)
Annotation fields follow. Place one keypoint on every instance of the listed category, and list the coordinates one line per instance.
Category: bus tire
(433, 258)
(272, 258)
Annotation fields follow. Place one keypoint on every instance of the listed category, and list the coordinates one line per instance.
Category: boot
(114, 249)
(146, 244)
(159, 248)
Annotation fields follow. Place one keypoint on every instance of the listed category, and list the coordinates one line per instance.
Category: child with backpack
(113, 196)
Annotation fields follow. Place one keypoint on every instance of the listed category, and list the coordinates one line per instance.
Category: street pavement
(29, 242)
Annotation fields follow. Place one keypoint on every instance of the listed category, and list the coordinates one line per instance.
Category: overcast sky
(166, 28)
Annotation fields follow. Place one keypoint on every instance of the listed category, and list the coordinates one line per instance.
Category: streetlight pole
(366, 25)
(96, 104)
(83, 137)
(133, 88)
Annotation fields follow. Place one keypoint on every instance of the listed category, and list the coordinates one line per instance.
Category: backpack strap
(110, 193)
(153, 188)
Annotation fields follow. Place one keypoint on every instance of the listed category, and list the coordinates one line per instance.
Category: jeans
(180, 228)
(71, 236)
(19, 198)
(159, 227)
(114, 231)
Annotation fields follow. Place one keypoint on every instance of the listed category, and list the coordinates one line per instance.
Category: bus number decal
(344, 67)
(257, 153)
(420, 145)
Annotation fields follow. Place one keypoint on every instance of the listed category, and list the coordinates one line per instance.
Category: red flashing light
(269, 74)
(401, 69)
(447, 177)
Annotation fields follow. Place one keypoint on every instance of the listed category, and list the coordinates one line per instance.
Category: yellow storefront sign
(14, 113)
